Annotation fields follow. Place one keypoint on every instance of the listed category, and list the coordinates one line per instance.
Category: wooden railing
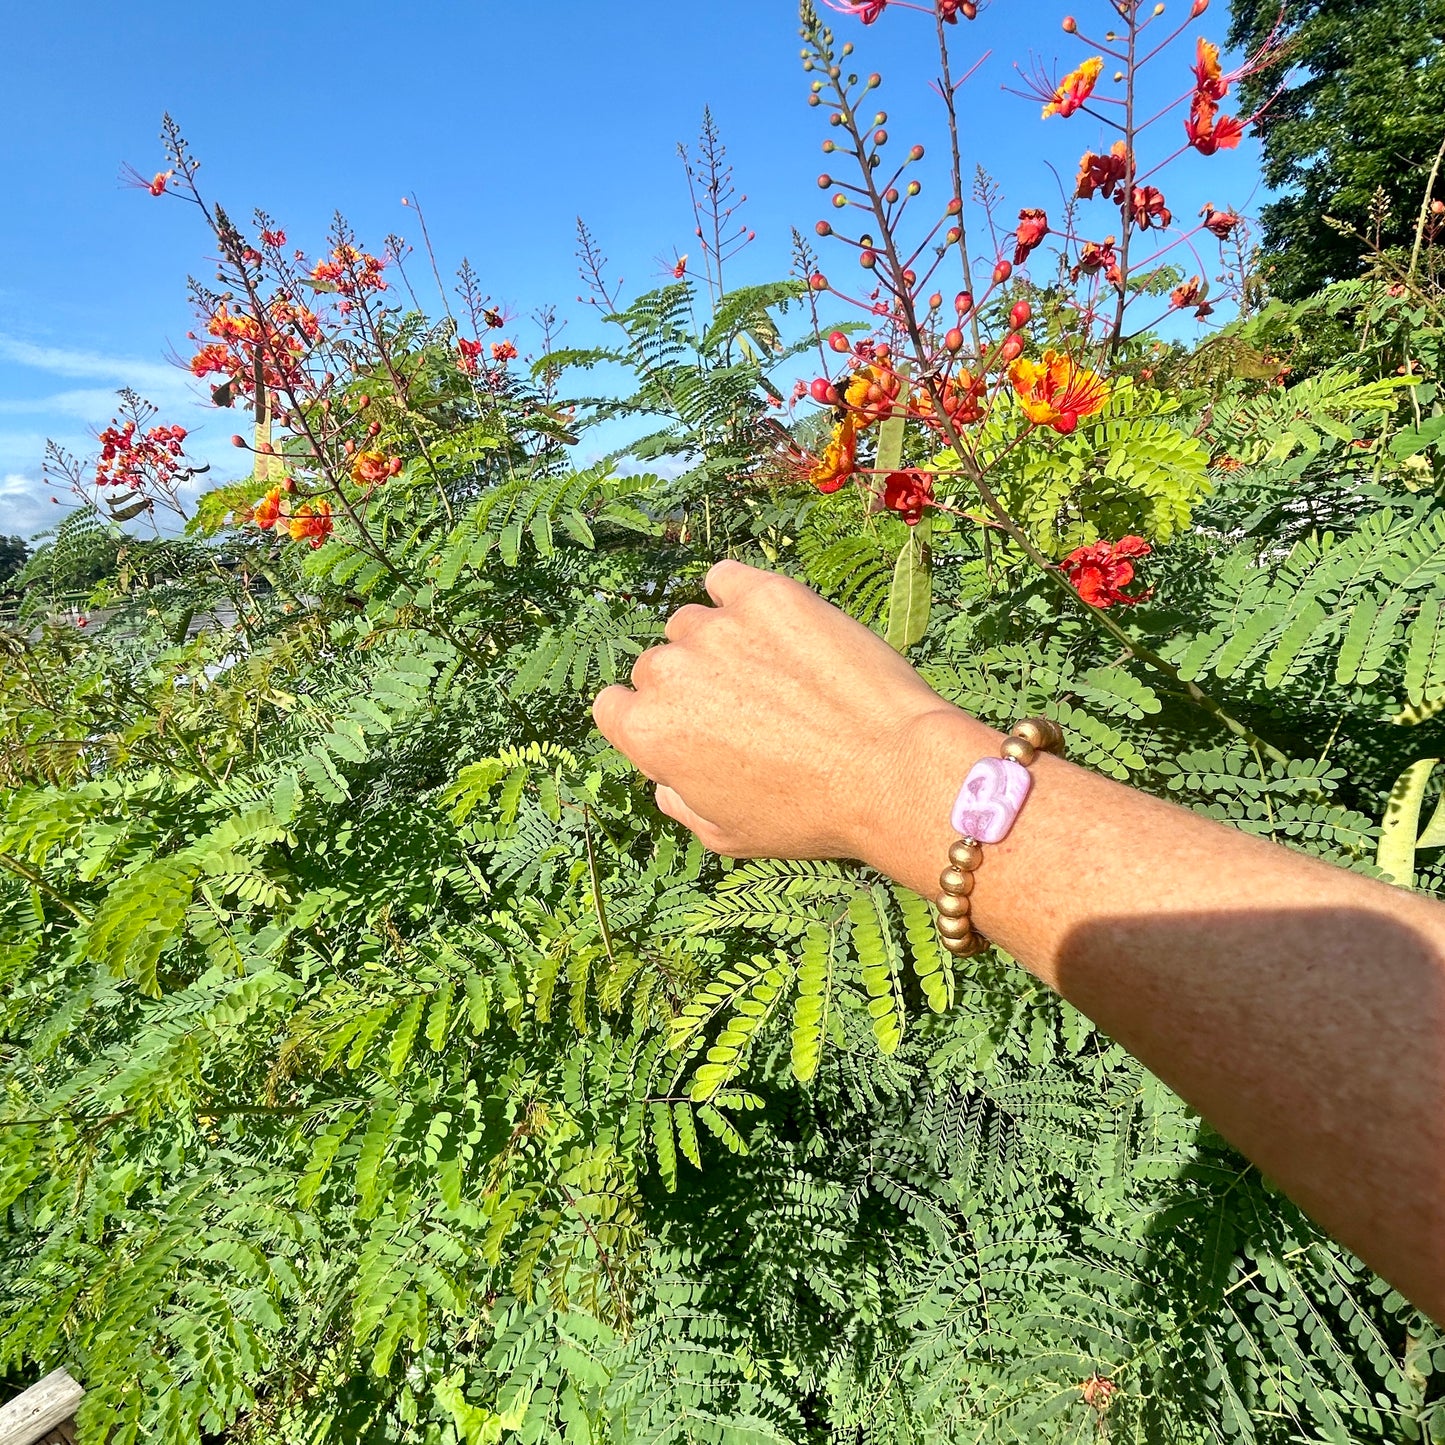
(44, 1414)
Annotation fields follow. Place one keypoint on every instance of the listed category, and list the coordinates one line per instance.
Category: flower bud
(1012, 348)
(963, 304)
(880, 137)
(1002, 272)
(916, 154)
(935, 301)
(373, 429)
(823, 228)
(288, 484)
(1018, 318)
(868, 258)
(953, 207)
(824, 181)
(823, 391)
(891, 195)
(913, 188)
(349, 447)
(910, 278)
(954, 340)
(874, 81)
(952, 236)
(1066, 422)
(838, 342)
(1070, 24)
(840, 200)
(818, 281)
(393, 467)
(237, 441)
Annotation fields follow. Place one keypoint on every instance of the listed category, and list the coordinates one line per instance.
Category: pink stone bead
(990, 800)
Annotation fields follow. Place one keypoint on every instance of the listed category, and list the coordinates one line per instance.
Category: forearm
(1299, 1008)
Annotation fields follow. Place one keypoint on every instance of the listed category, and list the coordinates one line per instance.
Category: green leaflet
(912, 591)
(1400, 826)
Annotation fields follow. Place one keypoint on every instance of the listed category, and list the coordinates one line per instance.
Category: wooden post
(36, 1412)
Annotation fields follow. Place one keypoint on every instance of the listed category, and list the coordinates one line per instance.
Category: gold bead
(965, 854)
(951, 928)
(966, 947)
(953, 905)
(1032, 730)
(1021, 750)
(956, 881)
(1053, 735)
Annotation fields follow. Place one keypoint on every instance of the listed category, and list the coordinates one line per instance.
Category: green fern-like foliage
(380, 1065)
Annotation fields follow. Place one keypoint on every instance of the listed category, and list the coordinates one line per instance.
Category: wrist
(906, 833)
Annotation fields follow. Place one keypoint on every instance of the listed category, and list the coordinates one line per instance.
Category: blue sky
(507, 120)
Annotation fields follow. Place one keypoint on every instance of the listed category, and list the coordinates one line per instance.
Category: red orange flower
(1208, 74)
(839, 458)
(1221, 223)
(962, 400)
(1192, 293)
(1057, 391)
(1100, 572)
(1075, 88)
(311, 521)
(1149, 208)
(872, 392)
(159, 182)
(1208, 131)
(267, 511)
(1103, 174)
(468, 351)
(503, 351)
(909, 494)
(1033, 227)
(349, 271)
(1096, 256)
(370, 468)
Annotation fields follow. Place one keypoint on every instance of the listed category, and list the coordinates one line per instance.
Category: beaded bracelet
(987, 806)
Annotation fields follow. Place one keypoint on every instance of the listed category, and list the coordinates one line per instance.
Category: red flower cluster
(131, 461)
(468, 351)
(1100, 572)
(1209, 131)
(503, 351)
(273, 238)
(349, 271)
(909, 494)
(284, 338)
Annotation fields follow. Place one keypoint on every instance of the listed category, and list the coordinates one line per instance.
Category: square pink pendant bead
(990, 800)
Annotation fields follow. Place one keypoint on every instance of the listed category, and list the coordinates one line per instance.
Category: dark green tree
(1362, 111)
(13, 555)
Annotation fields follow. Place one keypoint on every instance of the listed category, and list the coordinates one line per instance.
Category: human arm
(1300, 1008)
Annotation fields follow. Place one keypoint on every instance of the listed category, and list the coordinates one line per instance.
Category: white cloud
(25, 505)
(93, 366)
(88, 404)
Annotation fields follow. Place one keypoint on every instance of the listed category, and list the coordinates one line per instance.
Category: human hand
(773, 724)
